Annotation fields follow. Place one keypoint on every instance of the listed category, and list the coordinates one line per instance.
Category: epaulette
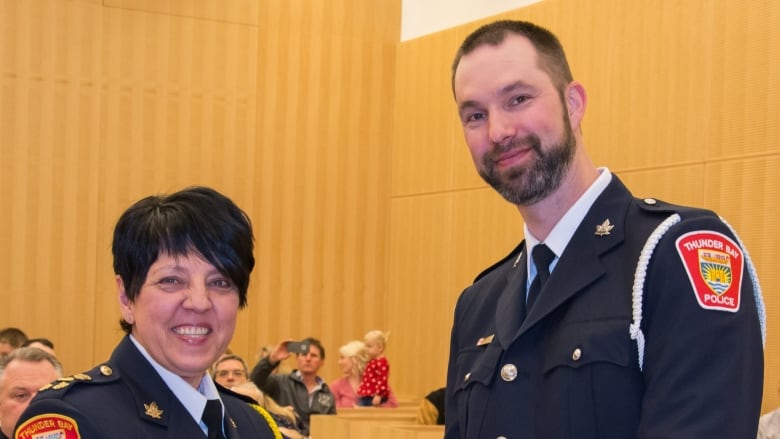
(242, 397)
(655, 205)
(512, 255)
(99, 375)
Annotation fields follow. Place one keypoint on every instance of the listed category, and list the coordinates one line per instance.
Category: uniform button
(650, 201)
(467, 376)
(576, 354)
(501, 437)
(509, 372)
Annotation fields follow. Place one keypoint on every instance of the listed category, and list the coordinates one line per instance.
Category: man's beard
(527, 186)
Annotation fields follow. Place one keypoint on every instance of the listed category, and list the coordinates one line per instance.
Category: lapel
(578, 267)
(510, 309)
(152, 398)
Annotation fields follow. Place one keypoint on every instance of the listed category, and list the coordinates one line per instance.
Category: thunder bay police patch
(714, 264)
(49, 426)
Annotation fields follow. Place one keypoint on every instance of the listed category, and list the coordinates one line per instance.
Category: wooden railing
(373, 423)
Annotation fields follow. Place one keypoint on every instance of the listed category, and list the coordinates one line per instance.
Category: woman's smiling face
(184, 315)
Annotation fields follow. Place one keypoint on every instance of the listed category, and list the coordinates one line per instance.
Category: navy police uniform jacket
(650, 326)
(125, 398)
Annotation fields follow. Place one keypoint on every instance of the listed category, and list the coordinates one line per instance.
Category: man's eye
(21, 396)
(518, 100)
(474, 117)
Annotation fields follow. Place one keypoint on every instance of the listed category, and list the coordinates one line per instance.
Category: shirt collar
(562, 232)
(194, 400)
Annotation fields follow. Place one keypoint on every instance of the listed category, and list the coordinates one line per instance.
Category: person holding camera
(302, 389)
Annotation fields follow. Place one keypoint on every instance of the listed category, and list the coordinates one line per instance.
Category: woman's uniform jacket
(126, 398)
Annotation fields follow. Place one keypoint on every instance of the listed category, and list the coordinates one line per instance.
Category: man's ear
(576, 101)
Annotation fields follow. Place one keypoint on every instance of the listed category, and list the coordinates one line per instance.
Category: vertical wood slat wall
(344, 148)
(282, 105)
(684, 98)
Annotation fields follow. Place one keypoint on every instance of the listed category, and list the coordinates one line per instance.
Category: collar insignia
(604, 228)
(153, 411)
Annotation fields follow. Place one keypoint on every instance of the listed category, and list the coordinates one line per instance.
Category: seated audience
(352, 361)
(302, 389)
(432, 408)
(10, 339)
(230, 371)
(22, 373)
(769, 425)
(41, 343)
(288, 422)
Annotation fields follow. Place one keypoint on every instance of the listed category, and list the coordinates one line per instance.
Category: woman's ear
(125, 304)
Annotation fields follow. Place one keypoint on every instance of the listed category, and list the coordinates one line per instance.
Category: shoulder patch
(714, 264)
(48, 426)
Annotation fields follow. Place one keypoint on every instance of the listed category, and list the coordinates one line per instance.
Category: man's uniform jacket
(575, 368)
(126, 398)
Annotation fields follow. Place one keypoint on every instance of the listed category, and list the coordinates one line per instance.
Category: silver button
(467, 376)
(650, 201)
(576, 354)
(509, 372)
(501, 437)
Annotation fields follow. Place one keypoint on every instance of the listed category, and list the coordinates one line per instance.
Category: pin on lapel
(517, 261)
(153, 411)
(604, 228)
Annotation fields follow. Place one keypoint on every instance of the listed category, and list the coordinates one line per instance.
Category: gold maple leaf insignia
(153, 411)
(604, 228)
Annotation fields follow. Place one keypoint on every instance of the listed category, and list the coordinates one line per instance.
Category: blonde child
(374, 388)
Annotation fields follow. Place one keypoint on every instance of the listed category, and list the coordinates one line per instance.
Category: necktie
(212, 417)
(542, 256)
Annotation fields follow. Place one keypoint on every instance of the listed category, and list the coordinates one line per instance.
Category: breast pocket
(591, 376)
(476, 368)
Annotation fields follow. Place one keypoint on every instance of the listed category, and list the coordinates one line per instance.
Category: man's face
(230, 373)
(310, 362)
(514, 120)
(5, 349)
(19, 384)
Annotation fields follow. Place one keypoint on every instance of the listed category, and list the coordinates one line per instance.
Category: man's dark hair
(44, 341)
(551, 56)
(196, 219)
(314, 342)
(13, 336)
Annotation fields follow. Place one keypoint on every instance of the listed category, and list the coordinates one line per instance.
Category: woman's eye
(224, 284)
(170, 283)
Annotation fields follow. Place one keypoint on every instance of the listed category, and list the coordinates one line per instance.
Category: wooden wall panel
(324, 138)
(49, 116)
(681, 103)
(283, 106)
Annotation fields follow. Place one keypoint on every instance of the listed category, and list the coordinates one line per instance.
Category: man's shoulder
(507, 261)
